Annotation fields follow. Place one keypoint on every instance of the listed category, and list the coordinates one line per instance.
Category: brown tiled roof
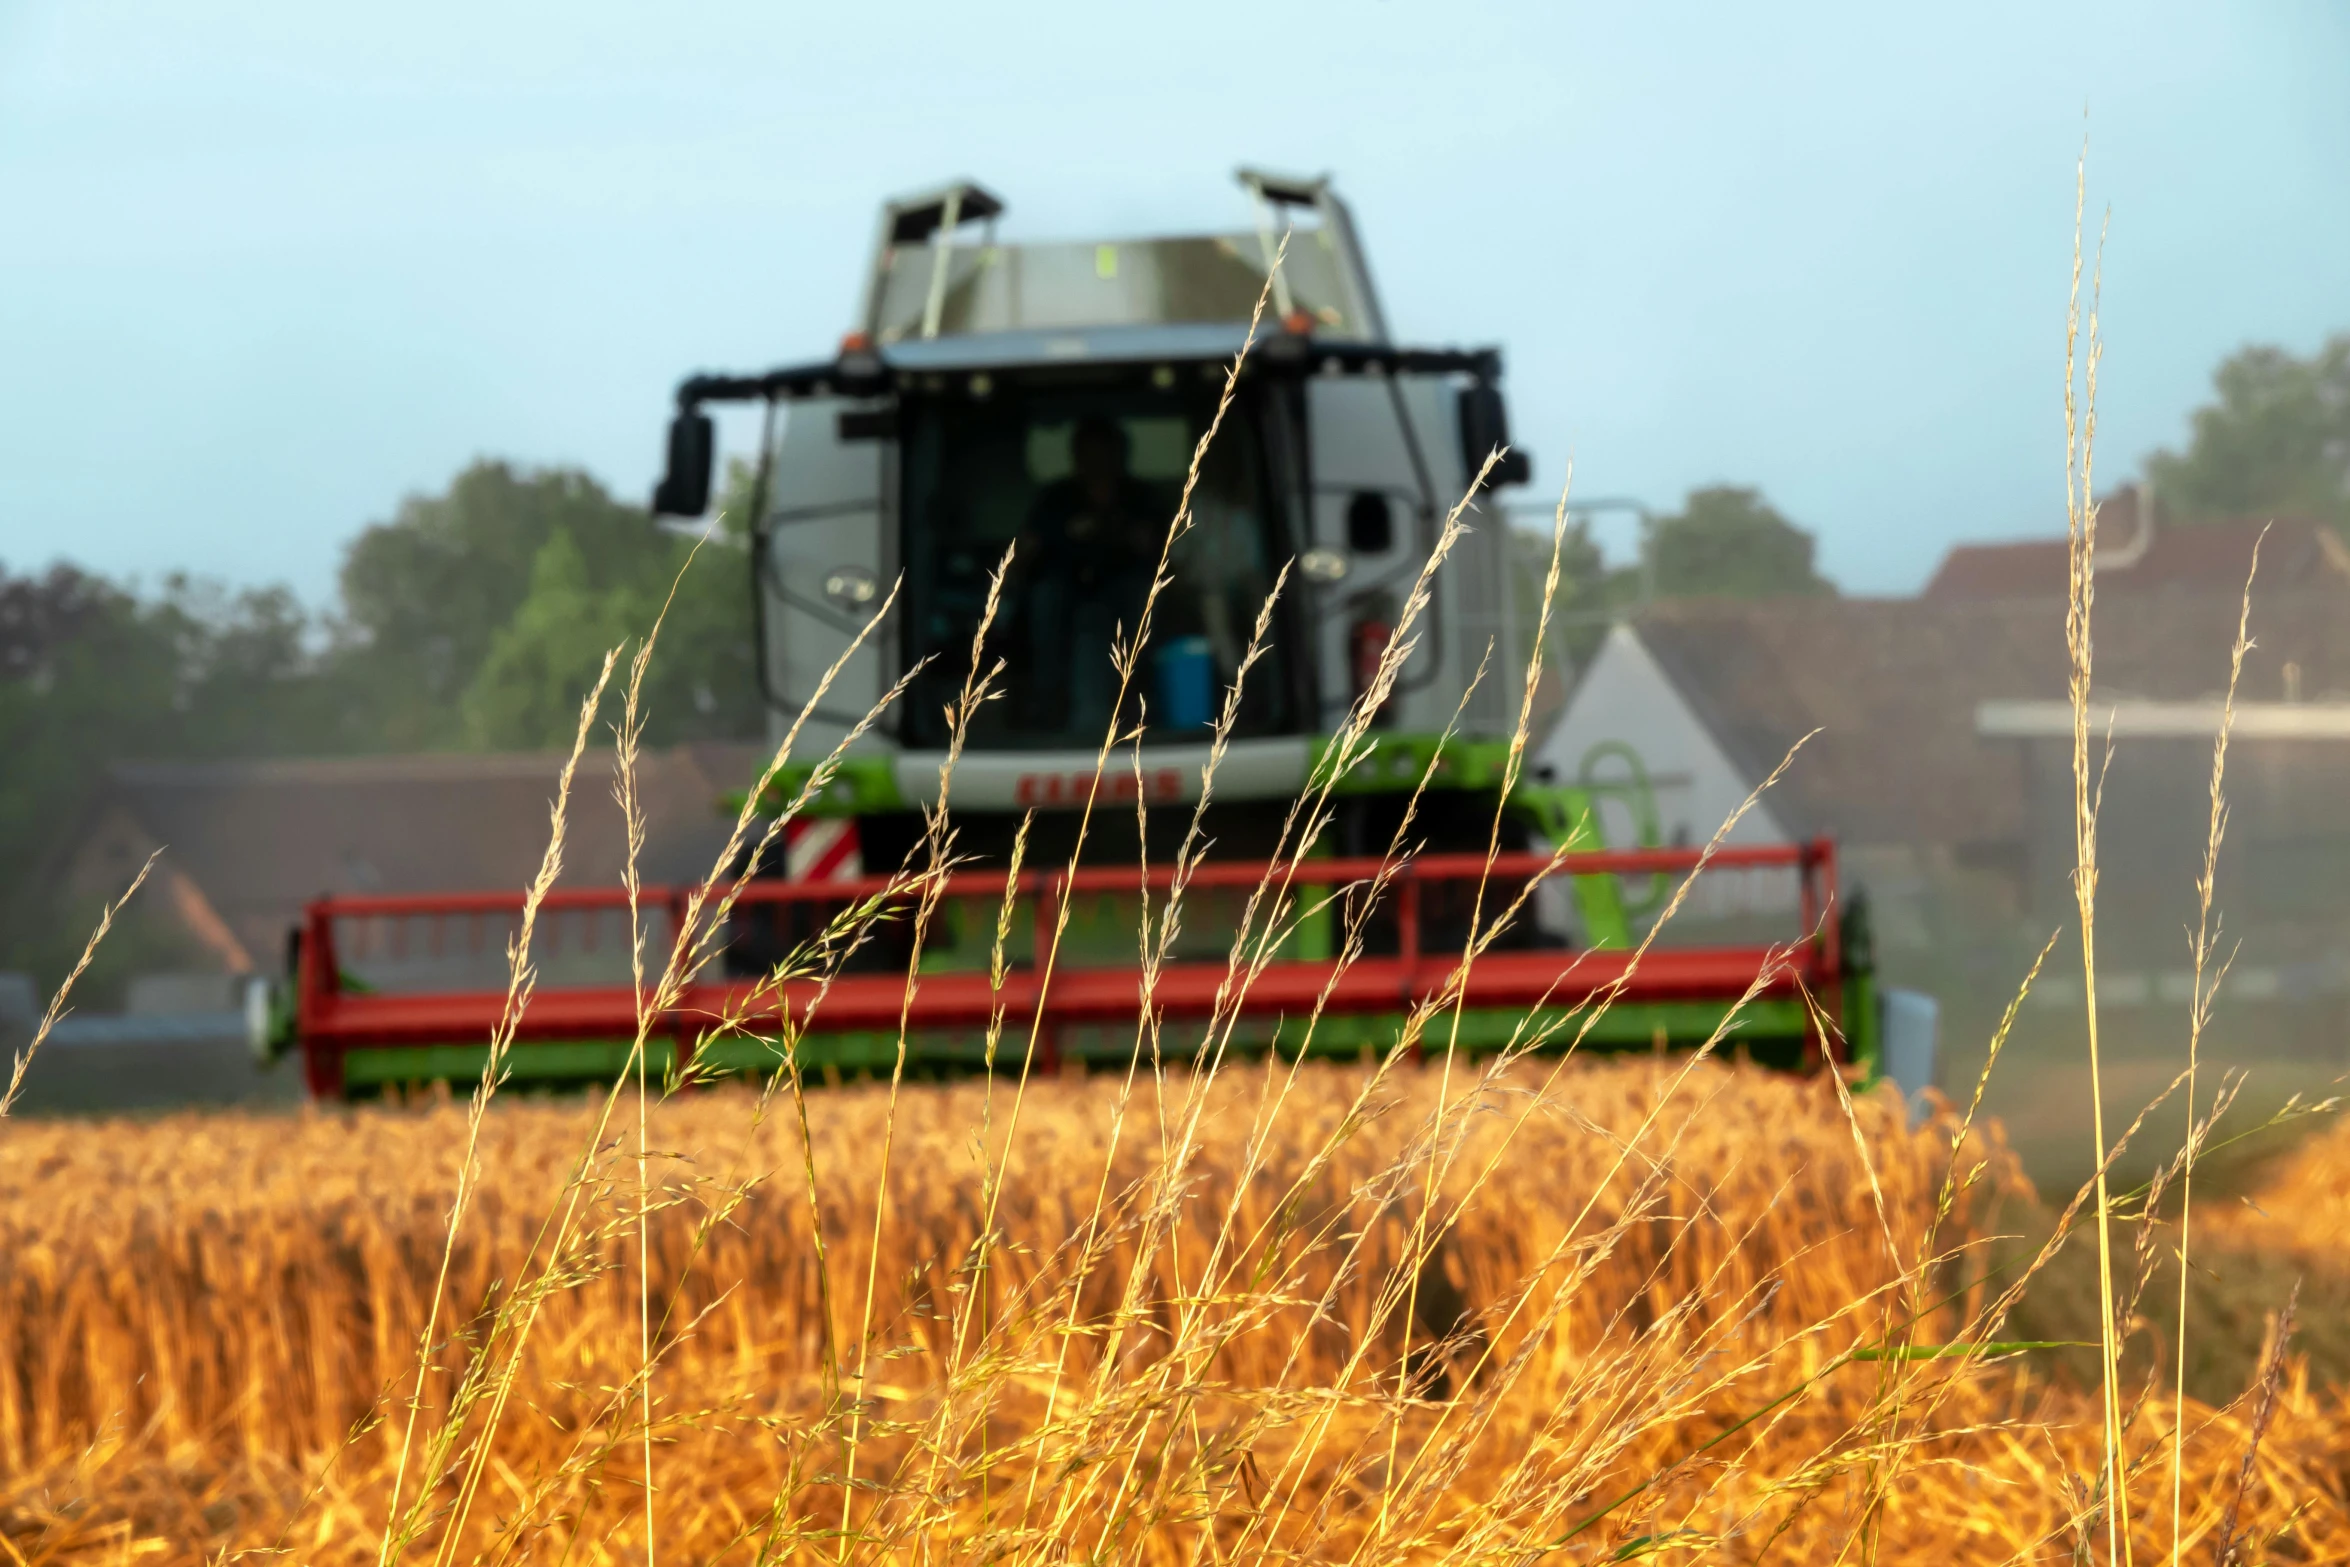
(1892, 685)
(2025, 568)
(2195, 557)
(261, 838)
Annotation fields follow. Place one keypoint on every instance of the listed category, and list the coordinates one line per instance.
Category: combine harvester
(1053, 394)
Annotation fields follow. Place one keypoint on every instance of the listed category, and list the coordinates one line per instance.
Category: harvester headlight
(1323, 565)
(850, 587)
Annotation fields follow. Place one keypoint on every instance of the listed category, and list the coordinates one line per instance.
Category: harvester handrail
(1809, 858)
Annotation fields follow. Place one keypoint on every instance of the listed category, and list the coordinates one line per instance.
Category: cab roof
(943, 297)
(937, 271)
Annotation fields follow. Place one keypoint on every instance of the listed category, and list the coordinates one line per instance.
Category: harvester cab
(1044, 408)
(1047, 399)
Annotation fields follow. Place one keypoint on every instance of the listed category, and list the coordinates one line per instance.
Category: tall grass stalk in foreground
(2208, 970)
(2080, 435)
(492, 1360)
(937, 849)
(628, 741)
(56, 1007)
(1126, 658)
(1537, 646)
(2204, 992)
(522, 977)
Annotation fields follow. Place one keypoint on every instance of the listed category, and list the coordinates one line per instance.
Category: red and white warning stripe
(822, 849)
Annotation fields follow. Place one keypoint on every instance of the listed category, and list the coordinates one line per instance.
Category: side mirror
(1485, 424)
(684, 490)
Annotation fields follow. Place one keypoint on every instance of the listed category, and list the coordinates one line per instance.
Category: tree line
(473, 619)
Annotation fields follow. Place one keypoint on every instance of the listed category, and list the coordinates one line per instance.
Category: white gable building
(1627, 706)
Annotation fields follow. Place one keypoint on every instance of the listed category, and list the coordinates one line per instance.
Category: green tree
(479, 616)
(2275, 441)
(540, 664)
(1727, 541)
(427, 593)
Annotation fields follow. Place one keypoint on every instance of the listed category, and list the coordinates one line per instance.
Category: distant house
(246, 844)
(1932, 738)
(2138, 553)
(1874, 698)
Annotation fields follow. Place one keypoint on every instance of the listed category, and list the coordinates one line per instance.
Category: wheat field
(2303, 1205)
(1635, 1335)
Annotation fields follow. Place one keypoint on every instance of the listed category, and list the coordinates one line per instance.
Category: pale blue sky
(271, 266)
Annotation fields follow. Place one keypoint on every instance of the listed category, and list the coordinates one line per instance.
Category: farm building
(1917, 727)
(246, 844)
(2138, 553)
(1932, 738)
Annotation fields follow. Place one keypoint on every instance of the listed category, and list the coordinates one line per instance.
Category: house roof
(2139, 552)
(1892, 687)
(258, 839)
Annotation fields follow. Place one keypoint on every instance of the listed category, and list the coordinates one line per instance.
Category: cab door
(826, 560)
(1374, 509)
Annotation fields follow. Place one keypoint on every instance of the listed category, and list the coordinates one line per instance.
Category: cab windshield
(1082, 480)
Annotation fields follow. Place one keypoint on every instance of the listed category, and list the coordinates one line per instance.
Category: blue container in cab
(1187, 683)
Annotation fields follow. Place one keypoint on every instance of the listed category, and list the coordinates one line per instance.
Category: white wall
(1627, 697)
